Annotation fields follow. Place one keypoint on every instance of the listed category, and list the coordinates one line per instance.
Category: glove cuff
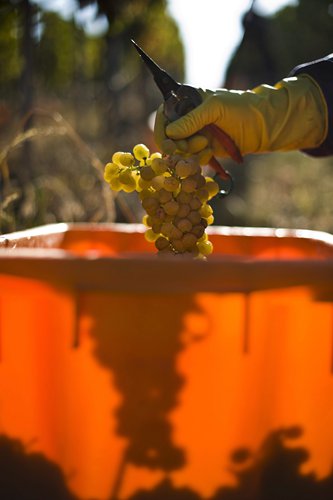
(321, 73)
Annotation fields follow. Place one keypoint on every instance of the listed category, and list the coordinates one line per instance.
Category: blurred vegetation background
(69, 99)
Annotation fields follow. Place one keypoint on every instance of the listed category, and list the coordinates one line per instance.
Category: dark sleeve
(321, 70)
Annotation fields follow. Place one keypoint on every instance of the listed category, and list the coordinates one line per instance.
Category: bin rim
(147, 273)
(250, 231)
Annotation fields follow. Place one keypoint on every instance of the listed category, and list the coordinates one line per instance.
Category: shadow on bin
(139, 339)
(29, 476)
(271, 473)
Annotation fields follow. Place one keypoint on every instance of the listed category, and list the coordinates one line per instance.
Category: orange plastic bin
(128, 376)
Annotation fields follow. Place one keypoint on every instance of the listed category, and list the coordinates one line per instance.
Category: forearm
(321, 72)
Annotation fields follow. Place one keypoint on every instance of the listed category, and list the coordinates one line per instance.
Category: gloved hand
(291, 115)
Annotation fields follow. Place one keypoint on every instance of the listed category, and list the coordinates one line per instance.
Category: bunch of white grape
(174, 194)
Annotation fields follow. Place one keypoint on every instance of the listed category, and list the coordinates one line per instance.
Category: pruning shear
(179, 99)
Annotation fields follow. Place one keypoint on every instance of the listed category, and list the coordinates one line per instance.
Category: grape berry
(174, 195)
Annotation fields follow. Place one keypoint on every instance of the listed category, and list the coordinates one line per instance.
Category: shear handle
(226, 142)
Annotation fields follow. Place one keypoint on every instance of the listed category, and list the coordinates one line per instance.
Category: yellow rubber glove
(291, 115)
